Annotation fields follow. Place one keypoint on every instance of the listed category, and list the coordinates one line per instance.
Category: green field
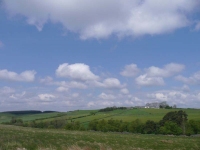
(20, 138)
(6, 117)
(24, 138)
(84, 116)
(131, 114)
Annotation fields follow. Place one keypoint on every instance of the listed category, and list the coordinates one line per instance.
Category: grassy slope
(142, 114)
(6, 117)
(12, 137)
(125, 115)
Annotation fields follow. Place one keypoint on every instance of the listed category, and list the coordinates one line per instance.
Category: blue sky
(66, 54)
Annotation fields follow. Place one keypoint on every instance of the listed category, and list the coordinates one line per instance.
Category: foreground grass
(19, 138)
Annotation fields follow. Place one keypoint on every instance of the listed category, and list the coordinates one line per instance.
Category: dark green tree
(170, 128)
(178, 117)
(150, 127)
(135, 126)
(93, 125)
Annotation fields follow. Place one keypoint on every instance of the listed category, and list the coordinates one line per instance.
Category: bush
(136, 126)
(170, 128)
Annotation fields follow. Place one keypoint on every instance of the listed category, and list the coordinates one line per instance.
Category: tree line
(174, 122)
(27, 112)
(111, 109)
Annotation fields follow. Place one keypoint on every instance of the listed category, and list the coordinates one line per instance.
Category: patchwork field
(23, 138)
(20, 138)
(84, 116)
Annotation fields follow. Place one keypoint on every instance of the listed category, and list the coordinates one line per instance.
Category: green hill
(85, 116)
(28, 115)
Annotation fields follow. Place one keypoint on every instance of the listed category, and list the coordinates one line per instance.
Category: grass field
(132, 114)
(125, 115)
(6, 117)
(20, 138)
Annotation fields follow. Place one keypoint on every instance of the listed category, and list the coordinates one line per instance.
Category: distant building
(139, 107)
(156, 105)
(174, 106)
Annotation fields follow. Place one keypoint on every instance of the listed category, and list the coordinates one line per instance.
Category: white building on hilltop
(156, 105)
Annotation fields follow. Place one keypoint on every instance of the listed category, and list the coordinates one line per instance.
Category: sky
(66, 55)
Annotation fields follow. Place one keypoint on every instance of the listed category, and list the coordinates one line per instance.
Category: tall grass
(13, 138)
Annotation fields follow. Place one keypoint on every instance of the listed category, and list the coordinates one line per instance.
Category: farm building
(156, 105)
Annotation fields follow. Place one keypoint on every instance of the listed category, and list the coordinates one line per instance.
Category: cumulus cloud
(6, 90)
(124, 91)
(112, 83)
(154, 75)
(134, 101)
(78, 71)
(26, 76)
(197, 26)
(79, 85)
(62, 89)
(103, 103)
(130, 70)
(20, 97)
(180, 98)
(159, 96)
(106, 96)
(46, 97)
(185, 88)
(167, 71)
(46, 80)
(103, 18)
(65, 86)
(194, 79)
(144, 80)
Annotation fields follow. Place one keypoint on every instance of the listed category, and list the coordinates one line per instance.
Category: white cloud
(6, 90)
(106, 96)
(167, 71)
(194, 79)
(26, 76)
(103, 18)
(102, 103)
(154, 75)
(197, 26)
(63, 85)
(180, 98)
(124, 91)
(134, 101)
(46, 97)
(91, 104)
(130, 70)
(71, 84)
(78, 71)
(62, 89)
(19, 97)
(112, 83)
(198, 96)
(75, 95)
(47, 80)
(159, 96)
(185, 88)
(144, 80)
(78, 85)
